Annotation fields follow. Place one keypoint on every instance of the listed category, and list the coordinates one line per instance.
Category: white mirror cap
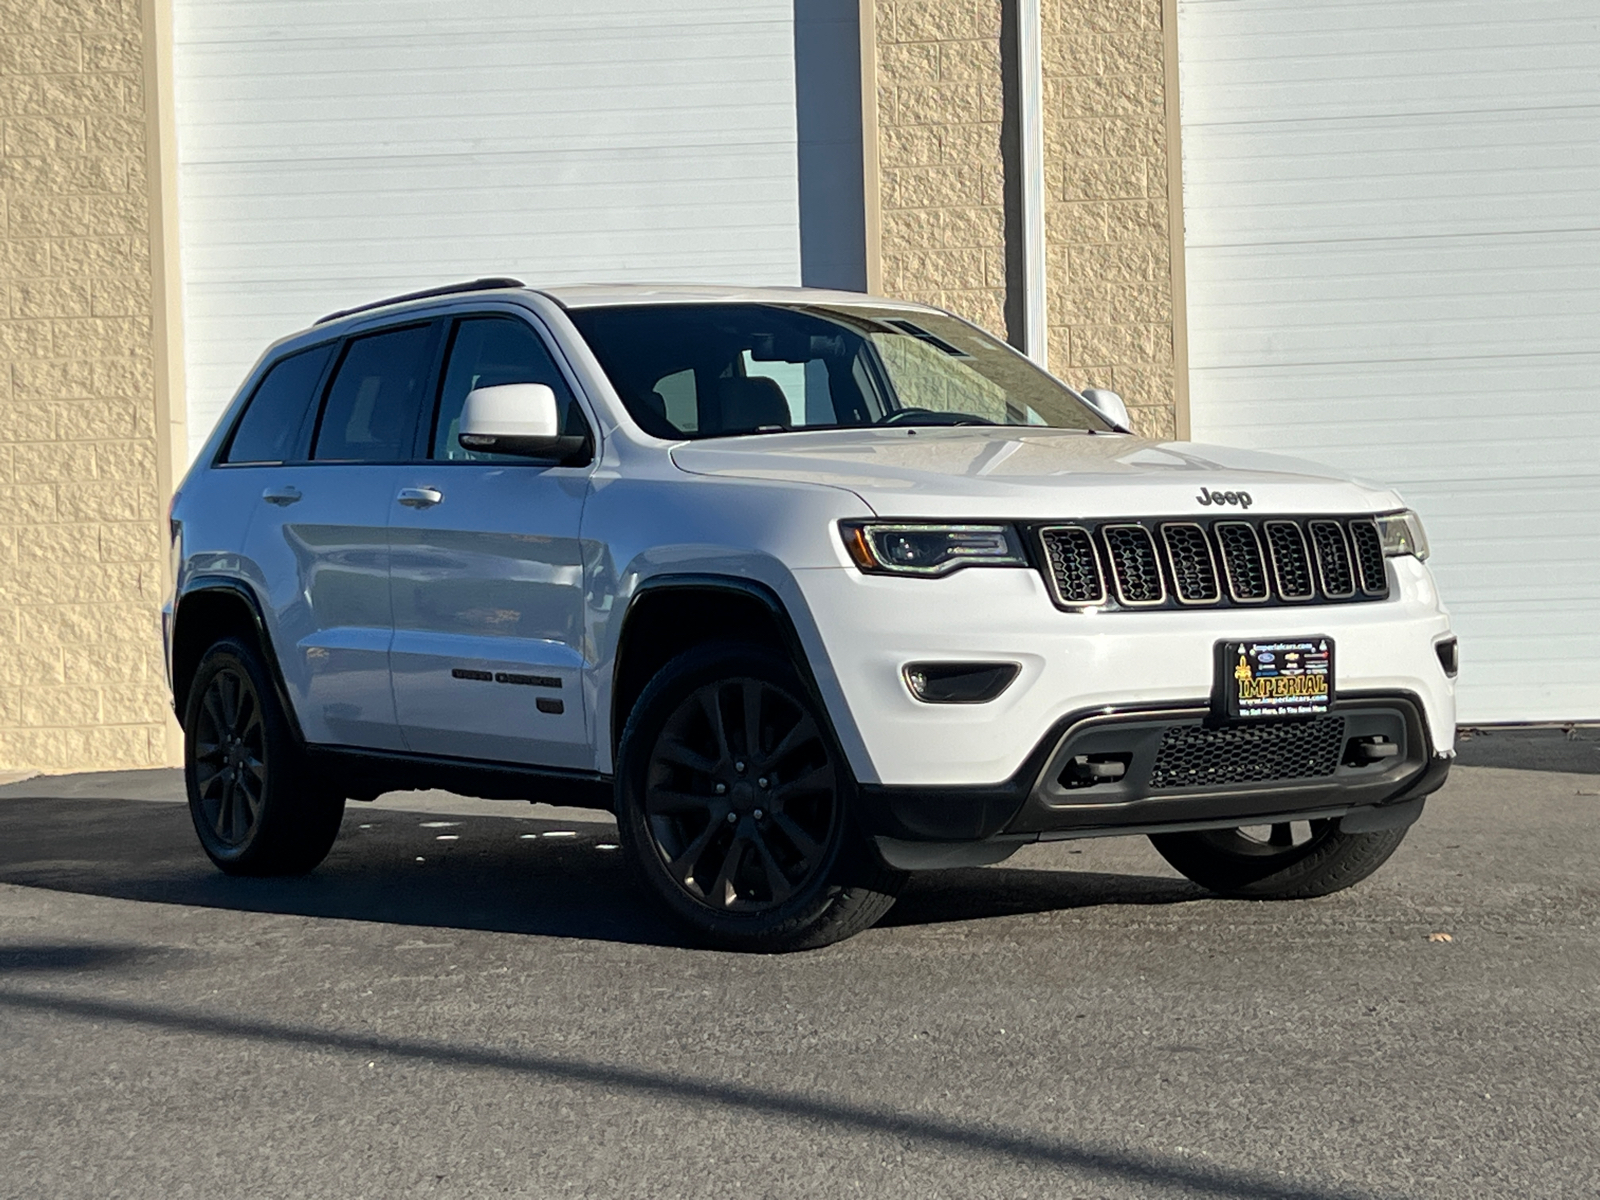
(1110, 406)
(510, 410)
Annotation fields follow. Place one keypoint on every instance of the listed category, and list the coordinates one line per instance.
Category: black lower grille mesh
(1195, 757)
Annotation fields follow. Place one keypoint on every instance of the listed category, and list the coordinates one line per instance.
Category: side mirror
(516, 418)
(1110, 406)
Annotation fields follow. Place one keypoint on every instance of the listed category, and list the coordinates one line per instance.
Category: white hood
(974, 472)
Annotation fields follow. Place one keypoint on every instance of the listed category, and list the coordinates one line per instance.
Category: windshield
(718, 370)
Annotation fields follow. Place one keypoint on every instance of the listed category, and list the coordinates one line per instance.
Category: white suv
(810, 589)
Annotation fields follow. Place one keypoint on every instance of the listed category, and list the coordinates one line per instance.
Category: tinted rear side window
(376, 396)
(274, 428)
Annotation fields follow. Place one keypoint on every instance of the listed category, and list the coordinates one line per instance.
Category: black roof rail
(449, 289)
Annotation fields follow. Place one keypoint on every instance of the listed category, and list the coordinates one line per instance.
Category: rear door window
(275, 425)
(376, 397)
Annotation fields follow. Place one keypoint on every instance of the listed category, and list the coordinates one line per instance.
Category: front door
(486, 575)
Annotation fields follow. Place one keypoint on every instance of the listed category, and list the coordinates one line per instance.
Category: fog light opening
(959, 683)
(1449, 652)
(1088, 770)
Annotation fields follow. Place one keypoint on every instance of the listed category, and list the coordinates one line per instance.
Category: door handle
(421, 497)
(281, 496)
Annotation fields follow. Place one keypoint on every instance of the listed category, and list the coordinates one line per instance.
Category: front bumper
(871, 627)
(1161, 791)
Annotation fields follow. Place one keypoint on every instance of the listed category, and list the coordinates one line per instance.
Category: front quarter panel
(649, 530)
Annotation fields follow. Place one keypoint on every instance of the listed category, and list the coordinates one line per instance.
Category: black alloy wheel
(256, 805)
(733, 801)
(1283, 861)
(230, 756)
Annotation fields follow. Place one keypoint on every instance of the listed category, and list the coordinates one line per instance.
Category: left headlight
(903, 548)
(1402, 533)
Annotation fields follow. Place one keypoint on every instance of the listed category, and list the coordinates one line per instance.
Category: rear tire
(1232, 862)
(256, 806)
(735, 806)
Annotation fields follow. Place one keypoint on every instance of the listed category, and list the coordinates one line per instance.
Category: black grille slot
(1194, 571)
(1195, 757)
(1333, 560)
(1369, 557)
(1242, 561)
(1134, 566)
(1074, 570)
(1291, 565)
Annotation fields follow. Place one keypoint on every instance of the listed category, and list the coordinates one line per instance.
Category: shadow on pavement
(1152, 1173)
(509, 875)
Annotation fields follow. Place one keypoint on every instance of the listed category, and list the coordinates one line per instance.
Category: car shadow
(500, 874)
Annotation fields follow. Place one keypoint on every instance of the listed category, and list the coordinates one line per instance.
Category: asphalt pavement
(469, 999)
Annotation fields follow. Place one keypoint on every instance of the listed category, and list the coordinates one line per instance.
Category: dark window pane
(487, 351)
(274, 423)
(377, 392)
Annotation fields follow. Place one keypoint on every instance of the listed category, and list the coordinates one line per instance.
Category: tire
(773, 861)
(256, 807)
(1294, 862)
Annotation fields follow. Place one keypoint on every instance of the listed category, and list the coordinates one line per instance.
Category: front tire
(1287, 861)
(734, 806)
(256, 807)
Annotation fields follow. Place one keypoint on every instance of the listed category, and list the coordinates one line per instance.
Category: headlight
(1402, 534)
(915, 549)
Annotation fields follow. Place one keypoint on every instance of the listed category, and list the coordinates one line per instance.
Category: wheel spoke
(228, 698)
(212, 707)
(752, 720)
(813, 780)
(248, 718)
(805, 845)
(667, 802)
(684, 864)
(673, 751)
(802, 732)
(723, 891)
(711, 701)
(777, 882)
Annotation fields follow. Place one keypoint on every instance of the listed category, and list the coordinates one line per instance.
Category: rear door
(487, 574)
(320, 537)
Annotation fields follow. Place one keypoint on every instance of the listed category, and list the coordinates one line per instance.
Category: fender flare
(211, 584)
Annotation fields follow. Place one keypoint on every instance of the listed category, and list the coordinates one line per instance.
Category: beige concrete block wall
(81, 505)
(942, 200)
(1109, 265)
(1108, 239)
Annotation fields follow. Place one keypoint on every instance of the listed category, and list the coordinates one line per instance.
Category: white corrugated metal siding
(335, 151)
(1392, 215)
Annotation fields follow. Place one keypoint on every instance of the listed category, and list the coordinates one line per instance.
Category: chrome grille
(1369, 557)
(1291, 565)
(1333, 559)
(1232, 561)
(1072, 569)
(1243, 561)
(1194, 570)
(1135, 567)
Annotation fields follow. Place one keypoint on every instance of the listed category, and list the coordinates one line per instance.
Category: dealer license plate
(1286, 677)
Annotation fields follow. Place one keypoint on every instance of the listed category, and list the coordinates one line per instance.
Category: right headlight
(906, 548)
(1402, 534)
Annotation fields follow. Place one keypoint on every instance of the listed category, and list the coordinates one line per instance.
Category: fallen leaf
(1440, 937)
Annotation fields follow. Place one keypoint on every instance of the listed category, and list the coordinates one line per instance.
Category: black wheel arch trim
(793, 647)
(204, 584)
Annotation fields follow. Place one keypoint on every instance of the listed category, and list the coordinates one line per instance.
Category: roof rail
(449, 289)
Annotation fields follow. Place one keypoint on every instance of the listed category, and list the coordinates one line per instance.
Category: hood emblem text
(1242, 499)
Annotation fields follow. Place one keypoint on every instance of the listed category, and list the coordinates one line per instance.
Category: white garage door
(335, 151)
(1392, 213)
